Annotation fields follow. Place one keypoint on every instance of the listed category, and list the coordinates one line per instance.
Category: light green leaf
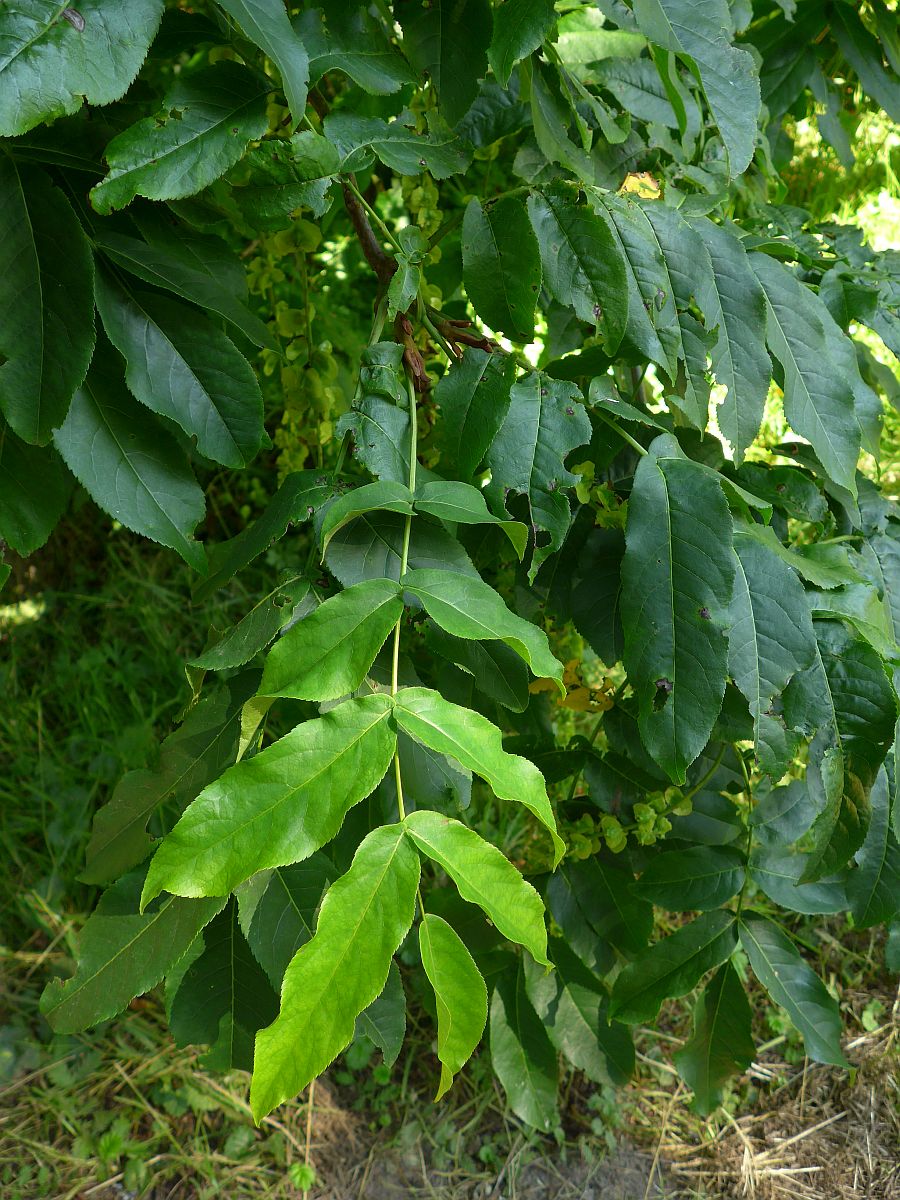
(519, 28)
(266, 24)
(446, 41)
(51, 65)
(384, 1021)
(673, 966)
(206, 122)
(794, 987)
(818, 398)
(364, 917)
(460, 995)
(677, 582)
(28, 514)
(357, 44)
(473, 396)
(502, 266)
(700, 32)
(129, 464)
(328, 654)
(583, 264)
(184, 368)
(483, 876)
(279, 806)
(224, 996)
(467, 607)
(699, 877)
(546, 420)
(722, 1042)
(123, 953)
(46, 283)
(522, 1055)
(462, 504)
(388, 495)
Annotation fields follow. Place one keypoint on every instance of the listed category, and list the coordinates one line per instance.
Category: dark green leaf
(473, 397)
(461, 504)
(447, 41)
(778, 873)
(364, 917)
(522, 1055)
(873, 889)
(46, 283)
(502, 266)
(722, 1041)
(256, 629)
(794, 987)
(519, 28)
(460, 995)
(355, 43)
(496, 670)
(593, 904)
(863, 52)
(372, 547)
(266, 24)
(701, 877)
(277, 911)
(398, 145)
(28, 513)
(276, 177)
(384, 1021)
(388, 495)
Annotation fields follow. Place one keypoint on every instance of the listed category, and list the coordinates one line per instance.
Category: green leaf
(266, 24)
(864, 54)
(364, 917)
(256, 629)
(460, 995)
(129, 464)
(197, 268)
(461, 504)
(446, 41)
(677, 581)
(519, 28)
(818, 398)
(722, 1041)
(328, 654)
(699, 31)
(502, 266)
(277, 911)
(276, 177)
(388, 495)
(202, 746)
(794, 987)
(771, 638)
(638, 88)
(28, 514)
(205, 124)
(522, 1055)
(372, 548)
(298, 497)
(545, 422)
(397, 144)
(734, 305)
(496, 670)
(384, 1021)
(46, 317)
(473, 396)
(184, 368)
(467, 607)
(778, 873)
(380, 433)
(583, 264)
(483, 876)
(357, 44)
(873, 889)
(123, 953)
(223, 996)
(700, 877)
(593, 903)
(279, 806)
(51, 65)
(573, 1008)
(673, 966)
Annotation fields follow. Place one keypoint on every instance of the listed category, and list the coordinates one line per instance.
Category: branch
(381, 263)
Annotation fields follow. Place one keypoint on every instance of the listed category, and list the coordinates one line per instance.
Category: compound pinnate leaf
(123, 953)
(46, 318)
(130, 465)
(519, 28)
(677, 582)
(700, 32)
(583, 264)
(206, 122)
(473, 397)
(460, 995)
(474, 742)
(502, 266)
(364, 917)
(29, 514)
(277, 911)
(266, 24)
(818, 397)
(446, 41)
(546, 420)
(522, 1055)
(50, 65)
(795, 987)
(483, 876)
(722, 1042)
(467, 607)
(181, 366)
(673, 966)
(461, 504)
(278, 807)
(329, 653)
(700, 877)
